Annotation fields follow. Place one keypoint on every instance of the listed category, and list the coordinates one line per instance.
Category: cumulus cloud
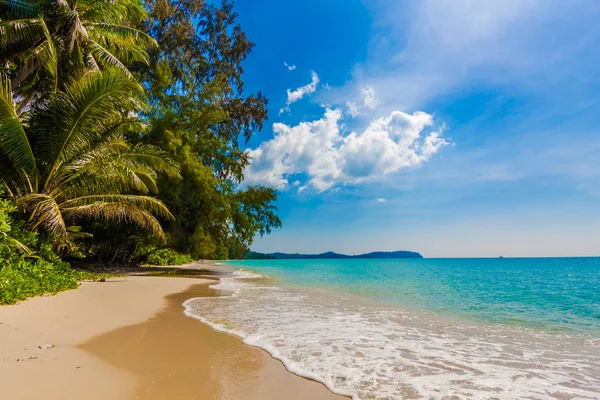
(295, 95)
(368, 101)
(319, 150)
(289, 67)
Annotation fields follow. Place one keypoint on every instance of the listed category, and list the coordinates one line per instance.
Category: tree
(67, 161)
(199, 113)
(45, 44)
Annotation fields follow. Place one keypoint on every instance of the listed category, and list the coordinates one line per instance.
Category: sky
(454, 128)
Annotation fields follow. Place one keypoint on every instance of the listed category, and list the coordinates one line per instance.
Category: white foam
(378, 352)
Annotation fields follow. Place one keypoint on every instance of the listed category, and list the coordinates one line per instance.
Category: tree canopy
(122, 128)
(200, 113)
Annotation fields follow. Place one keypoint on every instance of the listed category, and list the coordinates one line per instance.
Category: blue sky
(454, 128)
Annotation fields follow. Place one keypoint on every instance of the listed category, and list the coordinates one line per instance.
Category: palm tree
(67, 161)
(44, 44)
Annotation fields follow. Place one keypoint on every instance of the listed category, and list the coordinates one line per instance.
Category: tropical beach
(128, 338)
(256, 200)
(224, 332)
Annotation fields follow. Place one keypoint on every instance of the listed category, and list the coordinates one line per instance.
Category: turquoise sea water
(554, 294)
(421, 328)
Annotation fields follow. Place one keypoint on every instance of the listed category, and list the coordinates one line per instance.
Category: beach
(280, 330)
(421, 328)
(128, 338)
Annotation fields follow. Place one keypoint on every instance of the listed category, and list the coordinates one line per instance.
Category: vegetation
(28, 266)
(198, 114)
(253, 255)
(167, 257)
(120, 125)
(331, 254)
(48, 43)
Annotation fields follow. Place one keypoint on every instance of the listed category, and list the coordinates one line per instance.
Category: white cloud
(289, 67)
(381, 200)
(369, 101)
(352, 108)
(295, 95)
(422, 50)
(319, 150)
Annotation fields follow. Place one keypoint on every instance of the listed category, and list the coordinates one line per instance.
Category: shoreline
(374, 350)
(129, 338)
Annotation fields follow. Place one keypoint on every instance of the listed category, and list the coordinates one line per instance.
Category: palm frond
(18, 31)
(14, 243)
(114, 166)
(85, 110)
(14, 143)
(150, 204)
(45, 212)
(154, 158)
(121, 34)
(103, 55)
(41, 56)
(113, 11)
(117, 212)
(17, 9)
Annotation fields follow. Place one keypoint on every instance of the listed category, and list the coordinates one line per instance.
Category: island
(251, 255)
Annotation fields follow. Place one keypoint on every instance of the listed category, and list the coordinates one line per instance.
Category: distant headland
(252, 255)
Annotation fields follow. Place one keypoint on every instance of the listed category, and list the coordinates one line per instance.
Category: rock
(102, 279)
(46, 346)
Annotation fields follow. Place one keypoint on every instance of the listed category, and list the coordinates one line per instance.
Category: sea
(506, 328)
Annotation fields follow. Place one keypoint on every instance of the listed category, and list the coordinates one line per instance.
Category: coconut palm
(46, 43)
(67, 161)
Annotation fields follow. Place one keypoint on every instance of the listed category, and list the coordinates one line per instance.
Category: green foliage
(67, 101)
(252, 255)
(45, 43)
(35, 272)
(199, 112)
(167, 257)
(20, 279)
(7, 241)
(80, 167)
(24, 278)
(112, 147)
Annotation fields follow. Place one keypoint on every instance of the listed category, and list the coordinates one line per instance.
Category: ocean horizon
(435, 328)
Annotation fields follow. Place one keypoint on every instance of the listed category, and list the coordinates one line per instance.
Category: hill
(332, 255)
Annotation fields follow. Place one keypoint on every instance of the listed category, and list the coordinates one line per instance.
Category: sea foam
(372, 351)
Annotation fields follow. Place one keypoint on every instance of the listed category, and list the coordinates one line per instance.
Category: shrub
(34, 271)
(30, 277)
(167, 257)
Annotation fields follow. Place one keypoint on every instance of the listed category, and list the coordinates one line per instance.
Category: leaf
(14, 143)
(74, 229)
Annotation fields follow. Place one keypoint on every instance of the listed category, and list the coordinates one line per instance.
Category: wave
(371, 351)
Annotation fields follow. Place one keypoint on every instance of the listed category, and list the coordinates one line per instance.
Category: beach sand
(129, 339)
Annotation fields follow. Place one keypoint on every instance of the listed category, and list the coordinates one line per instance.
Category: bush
(167, 257)
(28, 277)
(28, 265)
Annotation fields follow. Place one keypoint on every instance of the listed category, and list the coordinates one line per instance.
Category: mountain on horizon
(333, 255)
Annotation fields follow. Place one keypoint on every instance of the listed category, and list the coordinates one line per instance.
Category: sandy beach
(127, 339)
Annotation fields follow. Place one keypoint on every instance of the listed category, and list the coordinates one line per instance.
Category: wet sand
(129, 339)
(178, 357)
